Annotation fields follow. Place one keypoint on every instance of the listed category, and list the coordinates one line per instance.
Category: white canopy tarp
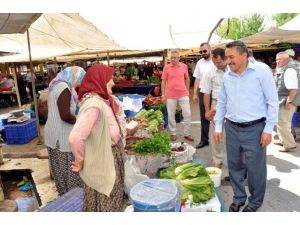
(293, 24)
(11, 23)
(56, 34)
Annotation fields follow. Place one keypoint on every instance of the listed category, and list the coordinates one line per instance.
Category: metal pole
(55, 65)
(1, 163)
(220, 21)
(33, 90)
(108, 58)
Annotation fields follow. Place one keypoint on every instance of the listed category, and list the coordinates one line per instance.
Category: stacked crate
(21, 133)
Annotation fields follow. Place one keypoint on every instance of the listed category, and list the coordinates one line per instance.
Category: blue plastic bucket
(295, 119)
(154, 195)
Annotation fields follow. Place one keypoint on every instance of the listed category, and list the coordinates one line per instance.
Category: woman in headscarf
(98, 140)
(62, 105)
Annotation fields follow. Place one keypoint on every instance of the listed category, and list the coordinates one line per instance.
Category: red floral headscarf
(95, 81)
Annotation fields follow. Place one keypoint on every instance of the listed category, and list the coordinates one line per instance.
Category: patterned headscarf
(71, 75)
(95, 81)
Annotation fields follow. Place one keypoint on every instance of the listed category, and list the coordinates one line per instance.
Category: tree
(282, 18)
(237, 28)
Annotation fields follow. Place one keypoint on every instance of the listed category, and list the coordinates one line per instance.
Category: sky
(159, 32)
(156, 24)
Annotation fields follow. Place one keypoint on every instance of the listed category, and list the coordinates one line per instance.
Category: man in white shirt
(287, 88)
(29, 82)
(203, 67)
(211, 88)
(294, 62)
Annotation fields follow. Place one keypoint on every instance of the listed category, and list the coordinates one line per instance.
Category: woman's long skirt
(60, 165)
(94, 201)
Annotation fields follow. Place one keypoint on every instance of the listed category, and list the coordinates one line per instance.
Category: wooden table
(7, 98)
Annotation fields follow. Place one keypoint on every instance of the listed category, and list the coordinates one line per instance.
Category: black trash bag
(178, 116)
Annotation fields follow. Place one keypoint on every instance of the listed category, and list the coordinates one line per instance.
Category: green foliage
(159, 143)
(169, 173)
(192, 172)
(282, 18)
(158, 106)
(154, 80)
(192, 180)
(32, 106)
(241, 27)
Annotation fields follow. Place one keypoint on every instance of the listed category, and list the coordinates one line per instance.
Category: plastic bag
(132, 175)
(27, 204)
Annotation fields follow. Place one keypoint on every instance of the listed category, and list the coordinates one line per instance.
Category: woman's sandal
(288, 149)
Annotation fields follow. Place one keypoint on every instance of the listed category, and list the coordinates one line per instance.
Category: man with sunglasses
(204, 66)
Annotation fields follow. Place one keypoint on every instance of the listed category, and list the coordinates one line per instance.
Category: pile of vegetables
(155, 118)
(193, 181)
(154, 80)
(159, 143)
(149, 100)
(141, 82)
(160, 106)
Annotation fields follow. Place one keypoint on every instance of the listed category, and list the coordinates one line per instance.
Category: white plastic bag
(132, 104)
(132, 175)
(212, 205)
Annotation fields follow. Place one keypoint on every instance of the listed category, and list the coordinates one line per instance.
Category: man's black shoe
(235, 207)
(248, 209)
(202, 144)
(227, 178)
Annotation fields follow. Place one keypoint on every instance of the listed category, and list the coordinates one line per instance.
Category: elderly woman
(62, 105)
(97, 142)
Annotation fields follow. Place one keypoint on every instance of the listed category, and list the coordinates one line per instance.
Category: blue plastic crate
(21, 133)
(295, 119)
(72, 201)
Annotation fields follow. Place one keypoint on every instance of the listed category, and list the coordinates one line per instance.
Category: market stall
(151, 157)
(135, 89)
(7, 98)
(133, 86)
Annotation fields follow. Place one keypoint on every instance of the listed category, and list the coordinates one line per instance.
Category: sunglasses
(204, 51)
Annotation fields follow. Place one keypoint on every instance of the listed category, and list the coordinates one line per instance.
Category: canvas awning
(272, 36)
(11, 23)
(102, 55)
(54, 34)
